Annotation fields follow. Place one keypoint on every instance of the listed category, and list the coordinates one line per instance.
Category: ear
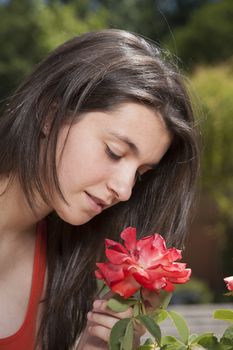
(45, 130)
(47, 124)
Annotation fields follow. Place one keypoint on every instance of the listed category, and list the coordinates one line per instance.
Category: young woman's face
(103, 154)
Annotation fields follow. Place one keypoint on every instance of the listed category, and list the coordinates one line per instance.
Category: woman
(101, 136)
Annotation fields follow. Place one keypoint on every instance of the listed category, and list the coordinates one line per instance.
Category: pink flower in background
(229, 282)
(144, 263)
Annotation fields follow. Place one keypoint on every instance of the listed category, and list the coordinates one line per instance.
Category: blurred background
(199, 33)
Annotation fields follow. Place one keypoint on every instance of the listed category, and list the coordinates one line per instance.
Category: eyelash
(111, 154)
(114, 156)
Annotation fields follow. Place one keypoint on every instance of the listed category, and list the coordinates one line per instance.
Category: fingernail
(96, 304)
(89, 315)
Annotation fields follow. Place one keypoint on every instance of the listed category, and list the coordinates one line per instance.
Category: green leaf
(136, 310)
(148, 341)
(117, 333)
(127, 341)
(148, 345)
(102, 288)
(229, 332)
(208, 341)
(174, 347)
(192, 338)
(224, 314)
(229, 294)
(161, 316)
(204, 335)
(227, 338)
(170, 340)
(151, 326)
(165, 298)
(119, 304)
(181, 325)
(223, 346)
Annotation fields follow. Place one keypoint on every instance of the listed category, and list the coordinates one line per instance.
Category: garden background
(199, 34)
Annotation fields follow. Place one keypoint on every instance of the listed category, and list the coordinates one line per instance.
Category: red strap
(24, 338)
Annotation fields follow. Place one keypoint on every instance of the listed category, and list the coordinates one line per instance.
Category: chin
(75, 219)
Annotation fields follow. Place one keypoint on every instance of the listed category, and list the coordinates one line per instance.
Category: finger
(139, 329)
(152, 298)
(101, 306)
(107, 321)
(99, 331)
(93, 343)
(94, 347)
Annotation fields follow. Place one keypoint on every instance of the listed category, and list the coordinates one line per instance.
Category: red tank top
(24, 338)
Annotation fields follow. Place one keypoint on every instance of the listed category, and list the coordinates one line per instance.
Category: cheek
(83, 168)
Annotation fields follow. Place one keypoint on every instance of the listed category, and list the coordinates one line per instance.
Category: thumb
(156, 300)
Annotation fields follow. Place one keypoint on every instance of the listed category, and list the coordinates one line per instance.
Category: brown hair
(98, 71)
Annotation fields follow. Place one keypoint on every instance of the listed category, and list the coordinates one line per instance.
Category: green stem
(142, 303)
(143, 308)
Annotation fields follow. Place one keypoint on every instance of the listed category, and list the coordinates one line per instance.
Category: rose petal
(174, 267)
(126, 288)
(229, 282)
(129, 236)
(151, 250)
(116, 257)
(111, 273)
(144, 263)
(150, 283)
(99, 275)
(176, 276)
(169, 286)
(115, 245)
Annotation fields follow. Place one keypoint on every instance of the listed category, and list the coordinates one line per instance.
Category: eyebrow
(131, 145)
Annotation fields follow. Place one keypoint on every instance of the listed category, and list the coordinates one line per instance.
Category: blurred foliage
(207, 37)
(29, 29)
(136, 15)
(151, 18)
(19, 47)
(195, 291)
(215, 88)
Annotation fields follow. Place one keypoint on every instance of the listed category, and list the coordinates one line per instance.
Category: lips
(96, 203)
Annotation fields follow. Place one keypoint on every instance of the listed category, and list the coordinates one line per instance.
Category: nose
(121, 185)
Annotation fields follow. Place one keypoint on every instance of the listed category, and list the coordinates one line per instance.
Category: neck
(16, 216)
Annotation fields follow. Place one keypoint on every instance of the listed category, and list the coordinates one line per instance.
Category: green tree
(19, 47)
(214, 85)
(152, 18)
(29, 29)
(207, 37)
(134, 15)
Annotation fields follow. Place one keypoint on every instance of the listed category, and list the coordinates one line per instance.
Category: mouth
(96, 204)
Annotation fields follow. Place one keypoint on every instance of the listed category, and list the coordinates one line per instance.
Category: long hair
(98, 71)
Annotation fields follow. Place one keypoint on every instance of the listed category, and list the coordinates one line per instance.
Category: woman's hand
(100, 322)
(154, 301)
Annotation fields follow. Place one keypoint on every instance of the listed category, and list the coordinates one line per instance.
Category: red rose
(229, 282)
(144, 263)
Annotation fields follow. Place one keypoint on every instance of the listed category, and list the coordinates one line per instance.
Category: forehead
(141, 128)
(137, 117)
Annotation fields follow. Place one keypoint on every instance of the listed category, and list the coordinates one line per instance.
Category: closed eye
(111, 154)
